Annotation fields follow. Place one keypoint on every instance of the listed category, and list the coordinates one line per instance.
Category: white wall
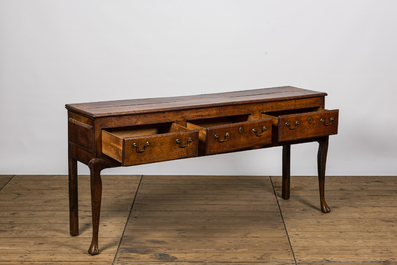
(58, 52)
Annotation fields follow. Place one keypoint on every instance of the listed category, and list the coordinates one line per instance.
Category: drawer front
(307, 125)
(156, 148)
(150, 148)
(236, 136)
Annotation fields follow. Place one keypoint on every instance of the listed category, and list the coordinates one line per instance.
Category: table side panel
(81, 134)
(81, 118)
(80, 154)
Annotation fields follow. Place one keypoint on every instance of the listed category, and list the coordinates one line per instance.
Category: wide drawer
(219, 135)
(306, 125)
(149, 143)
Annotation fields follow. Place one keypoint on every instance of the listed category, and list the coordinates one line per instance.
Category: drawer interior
(291, 111)
(220, 121)
(275, 114)
(145, 130)
(203, 124)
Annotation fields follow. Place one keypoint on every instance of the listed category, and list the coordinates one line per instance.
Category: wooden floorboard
(34, 220)
(205, 219)
(4, 179)
(361, 227)
(181, 220)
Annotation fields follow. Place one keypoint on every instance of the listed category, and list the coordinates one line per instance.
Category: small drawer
(219, 135)
(305, 125)
(149, 143)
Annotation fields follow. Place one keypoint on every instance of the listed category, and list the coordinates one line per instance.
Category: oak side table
(139, 131)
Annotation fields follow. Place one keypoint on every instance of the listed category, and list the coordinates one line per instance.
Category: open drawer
(304, 125)
(143, 144)
(218, 135)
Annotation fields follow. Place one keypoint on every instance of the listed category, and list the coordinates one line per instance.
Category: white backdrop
(58, 52)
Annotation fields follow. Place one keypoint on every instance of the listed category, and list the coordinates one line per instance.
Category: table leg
(286, 172)
(96, 165)
(322, 160)
(73, 198)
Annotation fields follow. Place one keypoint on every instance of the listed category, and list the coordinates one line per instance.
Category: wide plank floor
(34, 217)
(362, 225)
(151, 220)
(205, 219)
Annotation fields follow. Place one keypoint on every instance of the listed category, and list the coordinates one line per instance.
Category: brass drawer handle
(330, 121)
(137, 148)
(289, 125)
(259, 134)
(224, 140)
(183, 146)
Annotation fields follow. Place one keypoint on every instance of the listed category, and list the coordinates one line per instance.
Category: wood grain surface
(138, 106)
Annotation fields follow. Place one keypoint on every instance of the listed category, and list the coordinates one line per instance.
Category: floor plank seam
(282, 218)
(1, 188)
(126, 223)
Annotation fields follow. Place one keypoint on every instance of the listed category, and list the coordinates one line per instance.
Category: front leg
(96, 165)
(322, 160)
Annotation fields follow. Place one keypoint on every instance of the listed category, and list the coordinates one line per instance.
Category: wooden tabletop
(149, 105)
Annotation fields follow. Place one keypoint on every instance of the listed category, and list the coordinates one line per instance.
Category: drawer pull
(289, 125)
(224, 140)
(330, 121)
(183, 146)
(259, 134)
(137, 148)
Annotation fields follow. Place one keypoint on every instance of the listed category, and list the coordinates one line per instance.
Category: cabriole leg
(322, 160)
(286, 172)
(96, 165)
